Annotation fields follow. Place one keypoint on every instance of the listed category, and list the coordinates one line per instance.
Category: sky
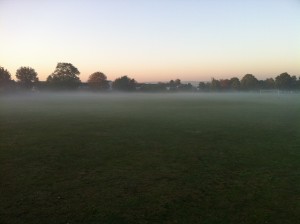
(157, 40)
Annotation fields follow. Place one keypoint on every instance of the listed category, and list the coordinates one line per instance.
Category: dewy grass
(191, 158)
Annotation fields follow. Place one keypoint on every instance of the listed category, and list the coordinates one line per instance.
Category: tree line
(66, 77)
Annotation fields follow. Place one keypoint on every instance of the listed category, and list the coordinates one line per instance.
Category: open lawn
(150, 158)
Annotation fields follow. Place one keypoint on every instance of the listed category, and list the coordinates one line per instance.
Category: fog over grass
(89, 98)
(149, 158)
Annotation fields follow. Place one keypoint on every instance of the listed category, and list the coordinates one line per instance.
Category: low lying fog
(61, 96)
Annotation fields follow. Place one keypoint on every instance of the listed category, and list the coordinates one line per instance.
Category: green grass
(197, 158)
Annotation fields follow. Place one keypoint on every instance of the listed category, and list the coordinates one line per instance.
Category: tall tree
(5, 77)
(27, 77)
(177, 82)
(284, 81)
(215, 84)
(124, 83)
(249, 82)
(98, 81)
(172, 84)
(65, 76)
(235, 83)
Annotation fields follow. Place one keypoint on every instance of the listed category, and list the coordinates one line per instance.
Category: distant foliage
(27, 77)
(65, 76)
(124, 83)
(268, 84)
(203, 86)
(158, 87)
(98, 81)
(225, 84)
(235, 83)
(285, 82)
(215, 84)
(186, 87)
(6, 83)
(249, 82)
(5, 77)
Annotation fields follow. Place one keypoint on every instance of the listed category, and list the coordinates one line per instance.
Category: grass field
(170, 158)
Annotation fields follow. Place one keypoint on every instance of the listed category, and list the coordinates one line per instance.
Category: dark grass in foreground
(150, 159)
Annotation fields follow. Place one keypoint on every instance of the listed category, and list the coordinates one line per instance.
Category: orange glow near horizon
(188, 72)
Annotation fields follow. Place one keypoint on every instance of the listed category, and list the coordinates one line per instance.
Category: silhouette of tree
(5, 77)
(269, 83)
(294, 82)
(235, 83)
(151, 87)
(27, 77)
(124, 83)
(215, 84)
(185, 87)
(224, 84)
(203, 87)
(249, 82)
(98, 81)
(177, 82)
(284, 81)
(172, 84)
(65, 76)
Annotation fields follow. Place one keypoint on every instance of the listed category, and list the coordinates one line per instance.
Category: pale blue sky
(155, 40)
